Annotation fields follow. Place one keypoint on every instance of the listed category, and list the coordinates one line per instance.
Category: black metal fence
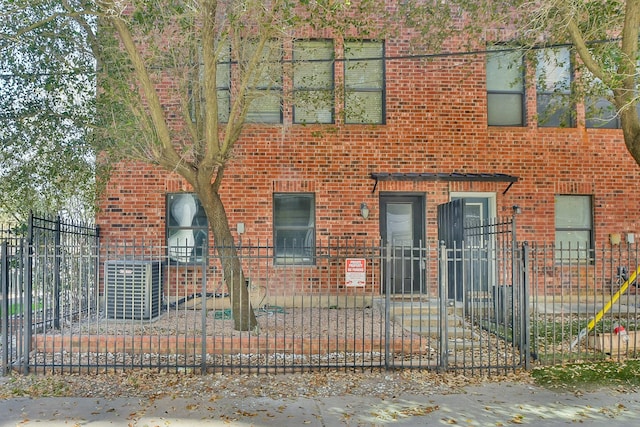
(48, 279)
(585, 304)
(71, 302)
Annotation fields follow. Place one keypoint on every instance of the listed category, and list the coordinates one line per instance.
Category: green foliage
(47, 82)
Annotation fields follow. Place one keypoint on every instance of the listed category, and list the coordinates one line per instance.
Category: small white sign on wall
(355, 272)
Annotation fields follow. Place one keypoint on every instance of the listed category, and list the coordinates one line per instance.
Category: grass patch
(18, 308)
(589, 376)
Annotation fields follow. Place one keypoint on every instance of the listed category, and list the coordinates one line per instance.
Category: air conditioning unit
(132, 289)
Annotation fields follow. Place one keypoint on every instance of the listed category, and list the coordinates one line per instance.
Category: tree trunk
(244, 318)
(630, 124)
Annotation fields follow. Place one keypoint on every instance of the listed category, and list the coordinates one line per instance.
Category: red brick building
(430, 129)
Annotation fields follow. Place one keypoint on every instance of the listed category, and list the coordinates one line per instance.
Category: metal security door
(463, 221)
(451, 235)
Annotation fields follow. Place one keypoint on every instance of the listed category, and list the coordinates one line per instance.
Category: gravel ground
(151, 384)
(308, 322)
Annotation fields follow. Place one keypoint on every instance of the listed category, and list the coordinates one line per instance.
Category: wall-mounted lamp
(516, 210)
(364, 210)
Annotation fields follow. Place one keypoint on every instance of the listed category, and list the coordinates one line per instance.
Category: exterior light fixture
(364, 210)
(516, 210)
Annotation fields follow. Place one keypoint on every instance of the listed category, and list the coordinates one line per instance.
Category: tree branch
(167, 152)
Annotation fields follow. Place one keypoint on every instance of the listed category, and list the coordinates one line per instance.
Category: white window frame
(577, 249)
(187, 228)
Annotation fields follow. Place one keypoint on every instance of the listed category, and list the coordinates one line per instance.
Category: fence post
(525, 339)
(27, 288)
(203, 308)
(57, 253)
(387, 305)
(4, 297)
(442, 318)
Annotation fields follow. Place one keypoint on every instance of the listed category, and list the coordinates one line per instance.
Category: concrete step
(422, 305)
(426, 321)
(421, 316)
(453, 332)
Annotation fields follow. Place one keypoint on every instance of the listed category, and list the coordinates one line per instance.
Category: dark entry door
(451, 234)
(402, 226)
(453, 218)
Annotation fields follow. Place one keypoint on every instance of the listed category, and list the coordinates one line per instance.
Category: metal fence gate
(485, 271)
(48, 280)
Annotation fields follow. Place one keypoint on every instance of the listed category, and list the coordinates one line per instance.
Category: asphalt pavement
(493, 404)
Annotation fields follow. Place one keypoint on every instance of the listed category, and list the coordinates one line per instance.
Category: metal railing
(585, 305)
(89, 305)
(142, 309)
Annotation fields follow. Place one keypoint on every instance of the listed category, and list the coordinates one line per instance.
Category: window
(505, 88)
(313, 81)
(265, 94)
(223, 86)
(294, 228)
(364, 82)
(574, 227)
(187, 228)
(553, 87)
(600, 113)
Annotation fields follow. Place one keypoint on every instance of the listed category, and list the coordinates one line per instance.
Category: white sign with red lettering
(355, 272)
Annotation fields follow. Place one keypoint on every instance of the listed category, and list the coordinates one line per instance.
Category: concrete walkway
(493, 404)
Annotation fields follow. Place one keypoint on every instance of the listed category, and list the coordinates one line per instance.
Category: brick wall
(436, 123)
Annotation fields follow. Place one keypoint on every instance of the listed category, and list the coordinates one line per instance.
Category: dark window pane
(555, 110)
(600, 113)
(294, 228)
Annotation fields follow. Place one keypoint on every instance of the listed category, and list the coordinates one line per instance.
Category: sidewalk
(493, 404)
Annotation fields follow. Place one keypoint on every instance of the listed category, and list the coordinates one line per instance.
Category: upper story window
(600, 112)
(313, 75)
(187, 228)
(223, 83)
(364, 82)
(223, 86)
(553, 88)
(294, 228)
(265, 92)
(505, 88)
(574, 227)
